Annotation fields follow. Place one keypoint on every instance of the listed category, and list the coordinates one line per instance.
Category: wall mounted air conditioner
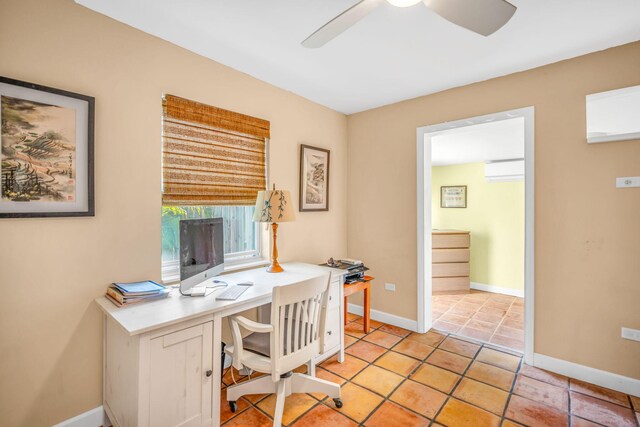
(504, 170)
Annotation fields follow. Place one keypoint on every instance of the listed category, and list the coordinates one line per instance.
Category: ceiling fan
(481, 16)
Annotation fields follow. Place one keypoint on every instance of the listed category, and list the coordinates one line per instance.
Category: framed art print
(314, 179)
(46, 162)
(453, 196)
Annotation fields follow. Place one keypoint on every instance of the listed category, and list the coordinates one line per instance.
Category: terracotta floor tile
(377, 379)
(348, 340)
(435, 377)
(441, 325)
(512, 352)
(579, 422)
(461, 414)
(492, 375)
(484, 396)
(419, 398)
(535, 414)
(475, 333)
(431, 338)
(488, 317)
(398, 363)
(636, 403)
(498, 304)
(352, 317)
(450, 361)
(250, 418)
(461, 347)
(463, 309)
(498, 358)
(601, 411)
(358, 402)
(395, 330)
(354, 329)
(509, 423)
(294, 405)
(513, 343)
(455, 319)
(542, 392)
(383, 339)
(510, 332)
(326, 375)
(373, 324)
(349, 368)
(391, 415)
(323, 416)
(413, 349)
(599, 392)
(366, 351)
(515, 314)
(225, 411)
(479, 297)
(481, 326)
(492, 310)
(511, 322)
(435, 315)
(231, 374)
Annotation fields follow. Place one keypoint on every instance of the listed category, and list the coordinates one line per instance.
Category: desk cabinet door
(179, 387)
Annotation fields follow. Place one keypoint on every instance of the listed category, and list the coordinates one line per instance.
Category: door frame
(423, 141)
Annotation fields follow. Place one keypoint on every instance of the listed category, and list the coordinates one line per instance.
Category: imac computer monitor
(201, 251)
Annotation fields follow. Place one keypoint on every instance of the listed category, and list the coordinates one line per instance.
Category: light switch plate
(628, 182)
(631, 334)
(390, 286)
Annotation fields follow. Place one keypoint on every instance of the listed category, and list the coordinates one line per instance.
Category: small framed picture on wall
(46, 162)
(454, 196)
(314, 179)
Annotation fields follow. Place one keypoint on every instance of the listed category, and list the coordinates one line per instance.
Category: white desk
(162, 364)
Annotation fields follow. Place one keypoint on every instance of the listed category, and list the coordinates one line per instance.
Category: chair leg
(280, 397)
(301, 383)
(260, 385)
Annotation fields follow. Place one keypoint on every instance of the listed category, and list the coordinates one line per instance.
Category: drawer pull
(329, 332)
(209, 372)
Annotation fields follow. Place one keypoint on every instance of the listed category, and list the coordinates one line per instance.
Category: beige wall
(52, 269)
(587, 232)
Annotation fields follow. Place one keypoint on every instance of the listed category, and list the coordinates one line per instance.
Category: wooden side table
(352, 288)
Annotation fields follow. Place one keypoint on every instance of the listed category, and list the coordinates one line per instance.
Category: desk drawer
(334, 295)
(332, 329)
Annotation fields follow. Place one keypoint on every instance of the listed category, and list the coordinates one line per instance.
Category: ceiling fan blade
(481, 16)
(340, 23)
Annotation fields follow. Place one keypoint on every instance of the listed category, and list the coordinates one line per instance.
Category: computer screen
(201, 250)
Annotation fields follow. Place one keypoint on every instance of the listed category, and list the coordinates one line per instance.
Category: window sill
(175, 279)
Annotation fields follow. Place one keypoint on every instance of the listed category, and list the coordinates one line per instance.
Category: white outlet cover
(390, 286)
(631, 334)
(628, 182)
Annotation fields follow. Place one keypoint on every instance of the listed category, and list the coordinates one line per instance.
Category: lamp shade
(274, 206)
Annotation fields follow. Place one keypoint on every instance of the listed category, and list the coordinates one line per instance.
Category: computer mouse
(246, 283)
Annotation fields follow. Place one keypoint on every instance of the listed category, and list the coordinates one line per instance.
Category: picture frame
(453, 196)
(47, 141)
(314, 178)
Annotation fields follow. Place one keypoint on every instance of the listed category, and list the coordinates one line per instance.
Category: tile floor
(493, 318)
(393, 377)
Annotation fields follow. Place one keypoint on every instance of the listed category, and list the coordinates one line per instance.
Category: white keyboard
(232, 293)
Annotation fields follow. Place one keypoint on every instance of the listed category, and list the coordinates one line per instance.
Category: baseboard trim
(585, 373)
(497, 289)
(95, 417)
(381, 316)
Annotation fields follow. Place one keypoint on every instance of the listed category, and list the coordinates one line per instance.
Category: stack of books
(130, 293)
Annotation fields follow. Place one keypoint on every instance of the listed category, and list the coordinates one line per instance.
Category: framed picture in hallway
(46, 161)
(314, 179)
(454, 196)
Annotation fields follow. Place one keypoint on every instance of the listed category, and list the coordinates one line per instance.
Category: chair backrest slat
(298, 312)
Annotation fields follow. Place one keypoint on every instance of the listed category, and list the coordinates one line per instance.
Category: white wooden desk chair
(295, 335)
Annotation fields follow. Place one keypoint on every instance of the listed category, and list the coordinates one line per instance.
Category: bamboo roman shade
(211, 156)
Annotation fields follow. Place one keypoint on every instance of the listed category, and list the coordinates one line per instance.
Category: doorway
(455, 195)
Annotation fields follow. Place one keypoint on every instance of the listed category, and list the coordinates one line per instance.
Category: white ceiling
(500, 140)
(391, 55)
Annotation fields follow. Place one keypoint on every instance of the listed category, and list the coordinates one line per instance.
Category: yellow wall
(52, 269)
(495, 217)
(586, 230)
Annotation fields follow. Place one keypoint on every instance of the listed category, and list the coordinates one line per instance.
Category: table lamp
(274, 206)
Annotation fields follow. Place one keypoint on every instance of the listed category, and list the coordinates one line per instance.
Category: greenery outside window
(241, 235)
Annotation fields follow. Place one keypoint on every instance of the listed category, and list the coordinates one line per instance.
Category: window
(213, 165)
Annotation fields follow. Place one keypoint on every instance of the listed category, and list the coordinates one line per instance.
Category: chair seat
(258, 342)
